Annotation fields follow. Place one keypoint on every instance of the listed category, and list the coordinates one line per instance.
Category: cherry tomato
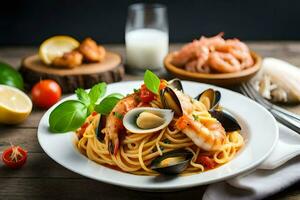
(20, 159)
(206, 161)
(45, 93)
(146, 95)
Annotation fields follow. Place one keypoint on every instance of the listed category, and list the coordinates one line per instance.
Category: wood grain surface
(43, 178)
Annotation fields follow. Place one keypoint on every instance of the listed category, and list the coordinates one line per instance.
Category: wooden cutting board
(84, 76)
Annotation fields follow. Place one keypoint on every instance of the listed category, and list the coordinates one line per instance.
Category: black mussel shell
(102, 122)
(213, 95)
(175, 83)
(170, 100)
(174, 168)
(226, 119)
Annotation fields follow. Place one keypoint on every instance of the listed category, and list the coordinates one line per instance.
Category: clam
(210, 98)
(147, 119)
(173, 162)
(101, 124)
(175, 83)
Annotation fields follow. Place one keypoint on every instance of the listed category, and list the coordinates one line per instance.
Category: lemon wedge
(15, 105)
(55, 47)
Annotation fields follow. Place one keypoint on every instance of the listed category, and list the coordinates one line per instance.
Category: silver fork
(287, 118)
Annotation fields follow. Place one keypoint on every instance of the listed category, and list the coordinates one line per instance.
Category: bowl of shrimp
(214, 60)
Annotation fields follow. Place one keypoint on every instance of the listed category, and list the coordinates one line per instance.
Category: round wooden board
(84, 76)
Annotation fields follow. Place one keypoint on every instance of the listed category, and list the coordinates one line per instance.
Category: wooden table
(42, 178)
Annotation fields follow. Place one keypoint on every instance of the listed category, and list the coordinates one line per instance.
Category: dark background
(30, 22)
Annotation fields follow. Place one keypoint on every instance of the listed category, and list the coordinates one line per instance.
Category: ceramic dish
(225, 79)
(259, 130)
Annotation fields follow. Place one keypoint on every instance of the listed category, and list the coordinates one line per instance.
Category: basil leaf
(108, 103)
(97, 92)
(68, 116)
(83, 96)
(151, 81)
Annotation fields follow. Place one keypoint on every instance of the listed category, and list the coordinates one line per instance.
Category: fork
(287, 118)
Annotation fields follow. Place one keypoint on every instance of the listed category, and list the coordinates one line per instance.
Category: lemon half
(15, 105)
(55, 47)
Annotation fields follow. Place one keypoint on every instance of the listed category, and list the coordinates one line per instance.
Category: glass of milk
(146, 37)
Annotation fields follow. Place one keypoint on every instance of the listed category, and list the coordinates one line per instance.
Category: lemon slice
(55, 47)
(15, 105)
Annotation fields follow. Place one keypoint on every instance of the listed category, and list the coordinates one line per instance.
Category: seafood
(147, 120)
(278, 81)
(68, 60)
(224, 62)
(114, 125)
(214, 54)
(91, 51)
(173, 162)
(209, 136)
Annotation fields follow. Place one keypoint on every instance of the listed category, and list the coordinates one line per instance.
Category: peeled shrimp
(68, 60)
(190, 52)
(91, 51)
(209, 137)
(224, 62)
(114, 124)
(212, 42)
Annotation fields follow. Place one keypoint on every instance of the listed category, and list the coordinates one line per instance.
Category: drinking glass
(146, 37)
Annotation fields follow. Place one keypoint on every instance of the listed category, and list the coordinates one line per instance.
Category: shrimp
(91, 51)
(210, 136)
(114, 124)
(224, 62)
(212, 42)
(197, 66)
(68, 60)
(239, 50)
(190, 52)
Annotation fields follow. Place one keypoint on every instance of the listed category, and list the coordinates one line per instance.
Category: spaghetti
(137, 151)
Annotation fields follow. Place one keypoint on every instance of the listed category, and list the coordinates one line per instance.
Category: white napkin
(274, 175)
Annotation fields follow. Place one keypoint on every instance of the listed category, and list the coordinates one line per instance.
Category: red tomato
(46, 93)
(146, 95)
(206, 162)
(12, 163)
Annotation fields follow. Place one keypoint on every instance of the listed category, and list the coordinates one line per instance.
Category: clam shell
(129, 120)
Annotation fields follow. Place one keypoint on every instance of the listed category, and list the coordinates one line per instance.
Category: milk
(146, 48)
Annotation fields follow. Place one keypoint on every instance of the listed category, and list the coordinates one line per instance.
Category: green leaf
(108, 103)
(68, 116)
(10, 76)
(151, 81)
(83, 96)
(97, 92)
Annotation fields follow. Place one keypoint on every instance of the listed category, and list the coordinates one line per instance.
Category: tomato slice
(146, 95)
(11, 163)
(206, 161)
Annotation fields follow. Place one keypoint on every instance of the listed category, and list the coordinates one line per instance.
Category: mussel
(170, 100)
(175, 83)
(147, 119)
(228, 122)
(210, 98)
(173, 162)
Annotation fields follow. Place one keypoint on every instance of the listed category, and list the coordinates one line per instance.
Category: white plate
(259, 129)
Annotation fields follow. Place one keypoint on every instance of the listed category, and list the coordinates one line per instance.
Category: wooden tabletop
(43, 178)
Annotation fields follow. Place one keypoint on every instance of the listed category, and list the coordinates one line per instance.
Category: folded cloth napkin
(273, 175)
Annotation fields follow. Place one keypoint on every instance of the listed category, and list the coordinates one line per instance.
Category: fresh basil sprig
(108, 103)
(68, 116)
(71, 114)
(151, 81)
